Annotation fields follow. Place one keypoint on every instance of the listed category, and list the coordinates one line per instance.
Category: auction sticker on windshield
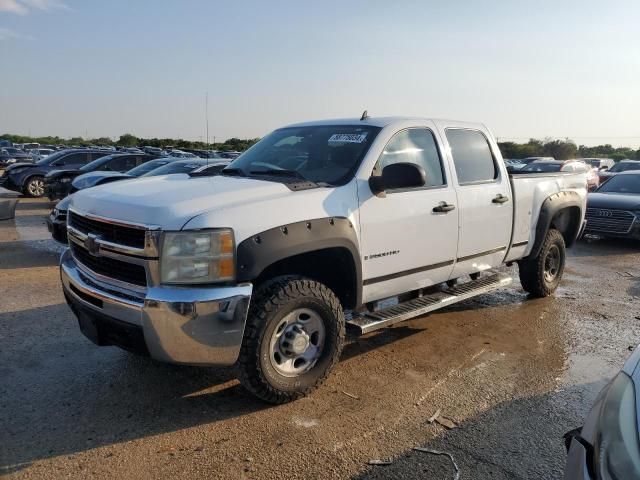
(347, 138)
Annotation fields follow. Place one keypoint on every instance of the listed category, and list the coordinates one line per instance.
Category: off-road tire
(532, 270)
(270, 303)
(26, 189)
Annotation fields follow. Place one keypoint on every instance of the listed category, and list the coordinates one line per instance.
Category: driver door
(406, 244)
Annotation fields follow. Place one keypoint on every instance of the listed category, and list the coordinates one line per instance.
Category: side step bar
(370, 321)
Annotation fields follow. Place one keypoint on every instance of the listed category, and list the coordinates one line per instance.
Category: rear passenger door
(483, 189)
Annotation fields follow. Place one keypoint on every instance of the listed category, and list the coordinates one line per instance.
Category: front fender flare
(258, 252)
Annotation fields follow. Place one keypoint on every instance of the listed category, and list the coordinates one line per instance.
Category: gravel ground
(513, 374)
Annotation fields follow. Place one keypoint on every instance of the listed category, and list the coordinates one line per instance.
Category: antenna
(364, 116)
(206, 109)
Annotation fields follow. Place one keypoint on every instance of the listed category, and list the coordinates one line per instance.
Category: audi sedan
(607, 446)
(613, 210)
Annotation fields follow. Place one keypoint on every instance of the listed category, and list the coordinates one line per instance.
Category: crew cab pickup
(321, 226)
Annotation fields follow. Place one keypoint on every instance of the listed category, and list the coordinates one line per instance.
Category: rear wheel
(541, 275)
(293, 338)
(34, 187)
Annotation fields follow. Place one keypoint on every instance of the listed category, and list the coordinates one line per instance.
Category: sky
(526, 69)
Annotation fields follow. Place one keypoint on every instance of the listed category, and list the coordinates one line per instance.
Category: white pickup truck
(320, 226)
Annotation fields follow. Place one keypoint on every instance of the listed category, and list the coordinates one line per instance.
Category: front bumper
(57, 190)
(576, 467)
(7, 182)
(192, 326)
(633, 233)
(57, 226)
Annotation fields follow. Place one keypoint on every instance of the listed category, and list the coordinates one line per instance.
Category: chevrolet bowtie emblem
(91, 244)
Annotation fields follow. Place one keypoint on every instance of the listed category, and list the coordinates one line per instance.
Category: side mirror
(398, 175)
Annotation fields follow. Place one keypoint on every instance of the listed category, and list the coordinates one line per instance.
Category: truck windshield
(628, 183)
(625, 166)
(323, 153)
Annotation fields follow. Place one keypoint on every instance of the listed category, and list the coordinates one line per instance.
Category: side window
(122, 164)
(418, 146)
(79, 158)
(471, 156)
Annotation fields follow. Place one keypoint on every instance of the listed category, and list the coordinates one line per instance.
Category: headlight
(197, 256)
(65, 180)
(617, 455)
(11, 160)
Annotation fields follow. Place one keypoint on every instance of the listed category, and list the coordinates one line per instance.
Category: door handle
(500, 199)
(443, 207)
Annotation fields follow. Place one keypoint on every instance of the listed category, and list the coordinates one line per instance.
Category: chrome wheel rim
(36, 187)
(552, 264)
(297, 342)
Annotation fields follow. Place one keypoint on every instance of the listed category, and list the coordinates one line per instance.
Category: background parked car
(181, 154)
(40, 153)
(599, 163)
(28, 178)
(542, 166)
(517, 164)
(621, 166)
(12, 155)
(607, 446)
(613, 210)
(100, 177)
(58, 183)
(57, 220)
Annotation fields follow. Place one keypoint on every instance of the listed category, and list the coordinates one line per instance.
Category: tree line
(128, 140)
(564, 150)
(559, 149)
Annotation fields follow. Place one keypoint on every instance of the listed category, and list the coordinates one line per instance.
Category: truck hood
(170, 201)
(620, 201)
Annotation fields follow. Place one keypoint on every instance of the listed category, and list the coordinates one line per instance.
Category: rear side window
(79, 158)
(472, 156)
(417, 146)
(122, 164)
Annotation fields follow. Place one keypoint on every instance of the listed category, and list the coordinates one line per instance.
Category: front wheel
(294, 336)
(541, 275)
(34, 187)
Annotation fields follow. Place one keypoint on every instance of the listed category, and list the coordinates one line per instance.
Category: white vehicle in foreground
(356, 223)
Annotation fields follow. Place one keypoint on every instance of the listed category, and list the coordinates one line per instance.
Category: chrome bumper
(193, 326)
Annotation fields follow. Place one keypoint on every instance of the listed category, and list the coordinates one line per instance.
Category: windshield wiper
(233, 171)
(277, 171)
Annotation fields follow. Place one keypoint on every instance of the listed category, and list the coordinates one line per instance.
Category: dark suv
(58, 183)
(28, 178)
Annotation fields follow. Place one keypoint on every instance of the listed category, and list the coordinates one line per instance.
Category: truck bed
(529, 191)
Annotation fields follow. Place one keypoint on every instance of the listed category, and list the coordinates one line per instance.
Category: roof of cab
(379, 122)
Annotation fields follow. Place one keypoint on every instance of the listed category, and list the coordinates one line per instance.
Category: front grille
(129, 236)
(110, 267)
(607, 220)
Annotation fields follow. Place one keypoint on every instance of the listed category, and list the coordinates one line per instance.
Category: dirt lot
(513, 374)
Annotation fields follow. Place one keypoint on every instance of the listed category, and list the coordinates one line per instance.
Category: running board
(370, 321)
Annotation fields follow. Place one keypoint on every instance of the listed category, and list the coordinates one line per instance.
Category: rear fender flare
(552, 205)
